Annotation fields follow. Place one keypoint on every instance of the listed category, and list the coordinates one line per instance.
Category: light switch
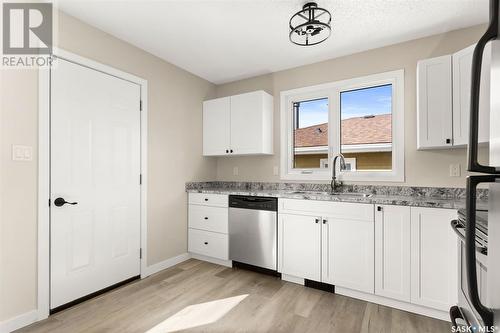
(235, 171)
(276, 170)
(22, 153)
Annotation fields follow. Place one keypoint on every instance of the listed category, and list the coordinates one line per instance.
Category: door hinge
(49, 202)
(140, 105)
(140, 253)
(140, 179)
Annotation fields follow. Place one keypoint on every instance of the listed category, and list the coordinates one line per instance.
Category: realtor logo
(27, 28)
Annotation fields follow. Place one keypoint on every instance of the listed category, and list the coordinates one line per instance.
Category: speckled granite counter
(452, 198)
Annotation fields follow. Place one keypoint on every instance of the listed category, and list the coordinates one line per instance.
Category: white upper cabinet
(434, 258)
(443, 99)
(434, 103)
(462, 65)
(251, 123)
(238, 125)
(392, 252)
(216, 126)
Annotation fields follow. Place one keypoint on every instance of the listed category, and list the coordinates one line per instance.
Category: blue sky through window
(355, 103)
(368, 101)
(313, 112)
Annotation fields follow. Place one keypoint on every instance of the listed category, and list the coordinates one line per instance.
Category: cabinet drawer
(207, 199)
(208, 243)
(208, 218)
(348, 210)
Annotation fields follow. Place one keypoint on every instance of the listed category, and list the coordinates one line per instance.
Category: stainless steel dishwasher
(253, 231)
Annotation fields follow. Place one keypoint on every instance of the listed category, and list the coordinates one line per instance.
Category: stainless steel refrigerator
(478, 227)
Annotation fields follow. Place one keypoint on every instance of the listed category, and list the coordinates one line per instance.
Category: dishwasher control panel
(251, 202)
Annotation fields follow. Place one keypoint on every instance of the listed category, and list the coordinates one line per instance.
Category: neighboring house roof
(355, 131)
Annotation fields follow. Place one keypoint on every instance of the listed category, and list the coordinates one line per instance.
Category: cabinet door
(434, 103)
(216, 126)
(250, 121)
(348, 253)
(392, 252)
(462, 64)
(299, 242)
(434, 258)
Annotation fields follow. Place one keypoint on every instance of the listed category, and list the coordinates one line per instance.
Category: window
(362, 118)
(310, 133)
(366, 127)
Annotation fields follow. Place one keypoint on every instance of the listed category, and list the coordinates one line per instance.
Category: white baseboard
(418, 309)
(293, 279)
(227, 263)
(18, 322)
(165, 264)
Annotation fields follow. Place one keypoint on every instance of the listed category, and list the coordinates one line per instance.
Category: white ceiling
(227, 40)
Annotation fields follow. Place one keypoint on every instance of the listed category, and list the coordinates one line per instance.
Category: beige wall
(424, 168)
(174, 156)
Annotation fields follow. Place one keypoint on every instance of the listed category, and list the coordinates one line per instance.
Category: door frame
(43, 290)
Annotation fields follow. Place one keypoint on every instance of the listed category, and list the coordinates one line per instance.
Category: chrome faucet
(336, 183)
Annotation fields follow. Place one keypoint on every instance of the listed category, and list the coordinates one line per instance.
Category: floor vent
(319, 285)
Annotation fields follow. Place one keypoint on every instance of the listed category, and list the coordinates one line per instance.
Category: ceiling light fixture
(310, 26)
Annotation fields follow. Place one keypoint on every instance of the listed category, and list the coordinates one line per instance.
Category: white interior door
(95, 161)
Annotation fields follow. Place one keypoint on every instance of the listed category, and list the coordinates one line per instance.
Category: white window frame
(332, 90)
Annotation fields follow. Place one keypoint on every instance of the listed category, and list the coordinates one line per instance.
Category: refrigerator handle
(477, 60)
(470, 246)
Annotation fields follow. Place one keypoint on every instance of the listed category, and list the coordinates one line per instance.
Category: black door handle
(60, 202)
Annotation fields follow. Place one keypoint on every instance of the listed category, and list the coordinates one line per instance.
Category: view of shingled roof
(355, 131)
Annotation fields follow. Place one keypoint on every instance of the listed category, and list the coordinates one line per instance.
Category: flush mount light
(311, 25)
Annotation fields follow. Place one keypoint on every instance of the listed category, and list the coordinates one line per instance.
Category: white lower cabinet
(336, 246)
(434, 258)
(348, 253)
(207, 243)
(300, 246)
(208, 225)
(392, 252)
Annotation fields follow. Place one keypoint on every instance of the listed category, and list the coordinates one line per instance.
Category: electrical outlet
(455, 170)
(22, 153)
(276, 170)
(235, 171)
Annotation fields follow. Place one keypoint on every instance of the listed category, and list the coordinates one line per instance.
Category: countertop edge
(425, 202)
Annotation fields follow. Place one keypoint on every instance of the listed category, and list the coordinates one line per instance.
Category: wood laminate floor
(228, 300)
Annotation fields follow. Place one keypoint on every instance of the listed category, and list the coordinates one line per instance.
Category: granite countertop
(450, 198)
